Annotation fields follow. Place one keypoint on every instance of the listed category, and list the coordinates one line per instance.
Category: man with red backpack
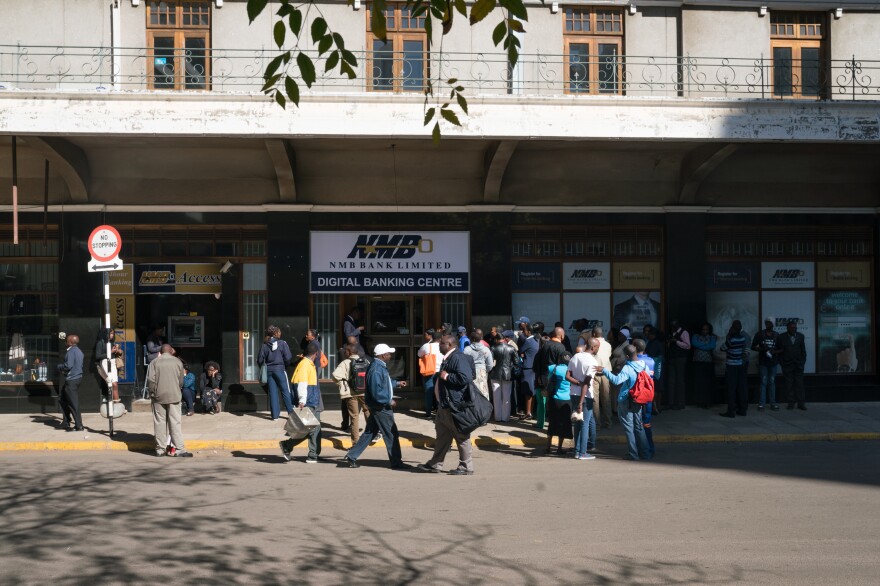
(636, 389)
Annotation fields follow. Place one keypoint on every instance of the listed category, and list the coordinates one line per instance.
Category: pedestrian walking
(429, 365)
(308, 394)
(72, 369)
(276, 356)
(165, 384)
(351, 401)
(380, 399)
(452, 388)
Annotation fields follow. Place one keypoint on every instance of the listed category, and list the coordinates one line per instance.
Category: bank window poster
(582, 311)
(800, 306)
(636, 309)
(543, 307)
(722, 309)
(844, 331)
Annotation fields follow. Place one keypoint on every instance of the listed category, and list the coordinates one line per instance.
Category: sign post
(104, 246)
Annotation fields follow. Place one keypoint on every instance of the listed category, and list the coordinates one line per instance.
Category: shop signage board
(535, 276)
(787, 275)
(178, 278)
(843, 275)
(637, 276)
(733, 275)
(589, 276)
(410, 262)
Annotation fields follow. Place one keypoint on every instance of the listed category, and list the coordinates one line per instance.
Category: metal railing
(70, 68)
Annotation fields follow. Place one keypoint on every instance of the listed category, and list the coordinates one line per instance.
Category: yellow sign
(843, 275)
(198, 278)
(637, 276)
(122, 282)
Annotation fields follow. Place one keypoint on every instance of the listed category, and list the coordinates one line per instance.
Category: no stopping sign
(104, 243)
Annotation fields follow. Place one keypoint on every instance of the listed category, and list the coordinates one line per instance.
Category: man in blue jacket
(457, 372)
(380, 399)
(629, 413)
(72, 369)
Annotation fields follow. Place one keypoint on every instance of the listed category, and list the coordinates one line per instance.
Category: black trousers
(737, 389)
(793, 375)
(676, 385)
(704, 383)
(69, 401)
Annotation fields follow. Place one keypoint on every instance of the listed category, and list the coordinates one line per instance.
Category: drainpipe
(115, 43)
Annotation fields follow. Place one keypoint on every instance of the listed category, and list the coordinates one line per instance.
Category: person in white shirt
(581, 372)
(601, 386)
(431, 348)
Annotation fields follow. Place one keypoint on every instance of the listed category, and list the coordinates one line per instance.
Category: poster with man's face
(637, 309)
(844, 331)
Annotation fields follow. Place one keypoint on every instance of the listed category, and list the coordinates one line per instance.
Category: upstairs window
(399, 63)
(797, 41)
(178, 44)
(593, 40)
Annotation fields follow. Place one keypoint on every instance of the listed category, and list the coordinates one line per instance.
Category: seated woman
(188, 390)
(210, 385)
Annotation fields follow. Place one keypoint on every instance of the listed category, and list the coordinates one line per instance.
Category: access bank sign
(390, 262)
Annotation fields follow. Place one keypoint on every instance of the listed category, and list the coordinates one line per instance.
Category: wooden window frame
(179, 33)
(593, 40)
(397, 35)
(797, 42)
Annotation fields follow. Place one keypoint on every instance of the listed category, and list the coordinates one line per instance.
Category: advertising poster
(787, 275)
(178, 278)
(389, 262)
(582, 311)
(722, 308)
(733, 275)
(637, 276)
(542, 307)
(844, 331)
(636, 308)
(843, 275)
(122, 319)
(591, 276)
(534, 276)
(794, 305)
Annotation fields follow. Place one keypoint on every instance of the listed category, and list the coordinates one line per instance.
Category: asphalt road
(780, 513)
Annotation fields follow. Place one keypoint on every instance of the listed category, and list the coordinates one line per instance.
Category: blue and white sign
(410, 261)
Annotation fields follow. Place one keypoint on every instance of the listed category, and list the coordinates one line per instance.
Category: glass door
(389, 320)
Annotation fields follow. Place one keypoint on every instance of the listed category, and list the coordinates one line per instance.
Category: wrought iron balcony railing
(68, 68)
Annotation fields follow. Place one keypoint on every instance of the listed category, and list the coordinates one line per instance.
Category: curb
(482, 442)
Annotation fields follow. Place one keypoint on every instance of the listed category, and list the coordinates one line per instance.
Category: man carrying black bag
(456, 374)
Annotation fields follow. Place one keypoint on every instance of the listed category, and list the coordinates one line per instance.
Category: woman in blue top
(558, 403)
(275, 355)
(629, 413)
(188, 390)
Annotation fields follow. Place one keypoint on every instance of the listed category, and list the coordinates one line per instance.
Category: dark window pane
(607, 68)
(413, 65)
(201, 249)
(226, 249)
(163, 62)
(194, 61)
(146, 249)
(810, 71)
(383, 65)
(782, 85)
(578, 68)
(173, 248)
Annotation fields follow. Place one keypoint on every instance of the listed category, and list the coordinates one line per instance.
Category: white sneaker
(587, 457)
(284, 451)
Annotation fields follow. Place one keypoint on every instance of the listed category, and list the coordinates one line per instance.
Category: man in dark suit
(457, 372)
(793, 356)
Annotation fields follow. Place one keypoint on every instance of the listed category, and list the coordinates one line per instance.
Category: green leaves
(292, 90)
(481, 10)
(306, 69)
(255, 7)
(499, 32)
(279, 33)
(444, 112)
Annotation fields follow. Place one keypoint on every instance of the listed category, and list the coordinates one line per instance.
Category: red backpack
(643, 391)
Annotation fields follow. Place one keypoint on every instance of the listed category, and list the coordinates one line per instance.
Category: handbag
(428, 364)
(264, 375)
(471, 413)
(516, 370)
(300, 423)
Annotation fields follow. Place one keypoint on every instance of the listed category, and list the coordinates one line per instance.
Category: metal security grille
(325, 308)
(453, 309)
(253, 322)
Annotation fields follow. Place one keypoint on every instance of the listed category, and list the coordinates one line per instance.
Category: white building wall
(855, 35)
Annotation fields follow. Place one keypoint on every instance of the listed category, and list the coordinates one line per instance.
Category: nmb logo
(586, 274)
(390, 246)
(788, 273)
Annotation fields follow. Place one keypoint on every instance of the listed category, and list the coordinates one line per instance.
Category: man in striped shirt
(736, 345)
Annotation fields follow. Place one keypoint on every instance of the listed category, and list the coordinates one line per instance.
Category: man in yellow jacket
(308, 394)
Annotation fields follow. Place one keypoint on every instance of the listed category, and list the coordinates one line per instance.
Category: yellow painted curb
(427, 442)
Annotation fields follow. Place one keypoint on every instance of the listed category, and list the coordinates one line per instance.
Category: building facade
(642, 162)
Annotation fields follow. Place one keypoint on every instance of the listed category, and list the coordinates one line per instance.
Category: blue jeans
(277, 379)
(584, 431)
(429, 394)
(379, 421)
(649, 430)
(631, 420)
(768, 383)
(189, 398)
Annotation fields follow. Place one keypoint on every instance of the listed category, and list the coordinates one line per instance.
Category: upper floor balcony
(573, 76)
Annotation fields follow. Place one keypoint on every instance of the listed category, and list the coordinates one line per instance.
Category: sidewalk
(255, 431)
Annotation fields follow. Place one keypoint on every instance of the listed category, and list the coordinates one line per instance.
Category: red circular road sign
(104, 243)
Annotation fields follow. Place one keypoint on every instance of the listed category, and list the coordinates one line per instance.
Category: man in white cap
(379, 397)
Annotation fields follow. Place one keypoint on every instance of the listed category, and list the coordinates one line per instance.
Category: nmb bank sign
(390, 262)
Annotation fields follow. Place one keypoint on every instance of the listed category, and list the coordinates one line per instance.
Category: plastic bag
(300, 423)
